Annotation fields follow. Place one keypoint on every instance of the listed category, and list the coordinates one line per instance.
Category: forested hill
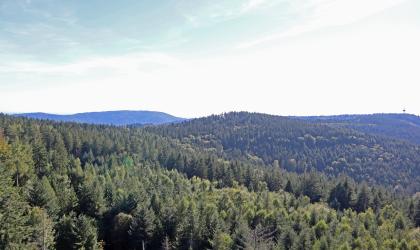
(302, 146)
(78, 186)
(123, 117)
(398, 126)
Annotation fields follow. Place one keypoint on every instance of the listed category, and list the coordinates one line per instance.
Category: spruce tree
(15, 230)
(363, 199)
(141, 229)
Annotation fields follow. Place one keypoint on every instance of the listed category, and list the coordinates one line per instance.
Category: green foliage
(15, 229)
(72, 186)
(43, 195)
(20, 163)
(340, 196)
(417, 214)
(320, 228)
(121, 230)
(42, 236)
(363, 199)
(222, 241)
(141, 228)
(76, 232)
(300, 146)
(311, 187)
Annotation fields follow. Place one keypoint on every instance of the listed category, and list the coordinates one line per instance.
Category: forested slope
(398, 126)
(78, 186)
(302, 146)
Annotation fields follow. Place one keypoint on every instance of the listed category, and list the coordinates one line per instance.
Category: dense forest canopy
(302, 146)
(236, 181)
(398, 126)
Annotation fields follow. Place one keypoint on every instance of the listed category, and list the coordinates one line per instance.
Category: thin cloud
(319, 14)
(127, 63)
(252, 4)
(220, 11)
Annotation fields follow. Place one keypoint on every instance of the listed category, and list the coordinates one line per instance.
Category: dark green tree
(141, 229)
(417, 214)
(14, 227)
(363, 199)
(340, 196)
(76, 233)
(43, 195)
(311, 187)
(42, 235)
(120, 231)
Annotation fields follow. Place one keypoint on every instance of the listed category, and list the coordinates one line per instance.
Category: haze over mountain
(398, 126)
(252, 152)
(210, 56)
(121, 117)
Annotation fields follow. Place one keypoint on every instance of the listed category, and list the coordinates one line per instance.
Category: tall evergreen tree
(42, 226)
(363, 199)
(340, 196)
(141, 229)
(417, 214)
(14, 227)
(43, 195)
(311, 187)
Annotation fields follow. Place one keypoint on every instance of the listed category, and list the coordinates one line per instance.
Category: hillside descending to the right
(397, 126)
(300, 146)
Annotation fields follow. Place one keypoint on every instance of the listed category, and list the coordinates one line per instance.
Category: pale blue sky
(61, 31)
(193, 58)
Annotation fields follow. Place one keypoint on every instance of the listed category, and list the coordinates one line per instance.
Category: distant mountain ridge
(398, 126)
(118, 118)
(299, 145)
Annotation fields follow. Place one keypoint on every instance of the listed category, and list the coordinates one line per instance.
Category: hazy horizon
(192, 59)
(131, 110)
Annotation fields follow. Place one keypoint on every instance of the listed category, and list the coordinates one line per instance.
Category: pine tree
(340, 196)
(42, 225)
(141, 228)
(43, 195)
(120, 232)
(14, 228)
(320, 228)
(186, 233)
(240, 235)
(303, 241)
(399, 222)
(222, 241)
(91, 199)
(40, 158)
(86, 233)
(321, 244)
(20, 163)
(288, 238)
(166, 244)
(363, 199)
(66, 196)
(76, 233)
(311, 187)
(289, 187)
(66, 233)
(417, 214)
(259, 238)
(4, 149)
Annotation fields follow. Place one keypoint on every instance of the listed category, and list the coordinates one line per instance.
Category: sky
(194, 58)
